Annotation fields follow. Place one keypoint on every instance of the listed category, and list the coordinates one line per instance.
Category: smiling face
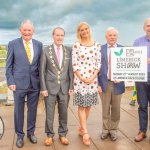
(111, 37)
(58, 36)
(27, 31)
(147, 28)
(84, 31)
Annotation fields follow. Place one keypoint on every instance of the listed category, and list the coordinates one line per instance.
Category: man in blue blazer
(22, 73)
(143, 88)
(110, 91)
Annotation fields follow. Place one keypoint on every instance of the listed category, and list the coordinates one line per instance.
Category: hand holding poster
(129, 64)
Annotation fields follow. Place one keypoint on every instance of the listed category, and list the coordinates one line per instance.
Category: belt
(110, 80)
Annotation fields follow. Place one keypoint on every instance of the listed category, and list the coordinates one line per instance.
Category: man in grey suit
(56, 78)
(22, 74)
(110, 91)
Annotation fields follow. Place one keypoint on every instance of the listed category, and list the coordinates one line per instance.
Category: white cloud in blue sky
(126, 15)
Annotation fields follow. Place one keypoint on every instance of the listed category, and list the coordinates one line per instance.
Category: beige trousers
(110, 109)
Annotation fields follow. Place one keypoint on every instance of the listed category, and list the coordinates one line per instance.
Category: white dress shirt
(61, 54)
(108, 51)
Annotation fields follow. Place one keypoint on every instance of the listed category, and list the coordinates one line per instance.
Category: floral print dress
(86, 60)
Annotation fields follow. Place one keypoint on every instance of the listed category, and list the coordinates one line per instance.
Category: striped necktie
(28, 51)
(109, 61)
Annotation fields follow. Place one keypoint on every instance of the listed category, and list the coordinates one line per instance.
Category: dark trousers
(143, 98)
(32, 102)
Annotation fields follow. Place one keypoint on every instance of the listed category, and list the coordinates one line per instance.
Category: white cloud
(126, 15)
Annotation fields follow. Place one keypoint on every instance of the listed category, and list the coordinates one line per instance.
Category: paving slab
(128, 128)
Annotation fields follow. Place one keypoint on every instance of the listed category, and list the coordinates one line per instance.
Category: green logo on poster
(119, 53)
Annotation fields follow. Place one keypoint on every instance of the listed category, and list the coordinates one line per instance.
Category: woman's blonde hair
(78, 31)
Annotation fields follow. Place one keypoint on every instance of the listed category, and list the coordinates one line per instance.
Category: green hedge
(3, 54)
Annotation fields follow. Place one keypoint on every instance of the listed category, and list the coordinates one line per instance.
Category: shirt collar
(30, 42)
(108, 45)
(55, 46)
(147, 38)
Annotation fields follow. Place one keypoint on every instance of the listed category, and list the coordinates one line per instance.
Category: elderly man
(143, 88)
(56, 77)
(110, 91)
(22, 74)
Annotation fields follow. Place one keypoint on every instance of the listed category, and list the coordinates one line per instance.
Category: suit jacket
(18, 69)
(119, 88)
(53, 77)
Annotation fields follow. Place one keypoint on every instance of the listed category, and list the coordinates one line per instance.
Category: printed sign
(129, 64)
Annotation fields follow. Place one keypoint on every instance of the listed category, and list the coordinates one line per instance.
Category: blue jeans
(143, 98)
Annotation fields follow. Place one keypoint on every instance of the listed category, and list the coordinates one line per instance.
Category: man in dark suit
(56, 76)
(22, 73)
(110, 91)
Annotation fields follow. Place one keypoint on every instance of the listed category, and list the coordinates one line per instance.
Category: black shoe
(32, 139)
(132, 103)
(19, 143)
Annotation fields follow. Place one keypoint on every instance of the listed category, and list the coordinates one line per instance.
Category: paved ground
(127, 130)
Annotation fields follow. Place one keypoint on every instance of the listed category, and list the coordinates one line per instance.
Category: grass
(3, 54)
(2, 63)
(3, 88)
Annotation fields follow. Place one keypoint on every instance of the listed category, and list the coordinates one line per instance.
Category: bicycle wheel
(1, 127)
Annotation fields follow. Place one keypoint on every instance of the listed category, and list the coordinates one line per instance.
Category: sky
(126, 15)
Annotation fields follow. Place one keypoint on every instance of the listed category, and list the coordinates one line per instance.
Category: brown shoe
(48, 141)
(140, 136)
(64, 140)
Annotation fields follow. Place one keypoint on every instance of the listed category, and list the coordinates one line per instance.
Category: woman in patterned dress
(86, 61)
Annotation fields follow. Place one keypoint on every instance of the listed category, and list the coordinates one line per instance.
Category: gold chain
(58, 70)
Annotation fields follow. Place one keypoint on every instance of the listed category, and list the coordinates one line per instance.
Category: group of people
(58, 71)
